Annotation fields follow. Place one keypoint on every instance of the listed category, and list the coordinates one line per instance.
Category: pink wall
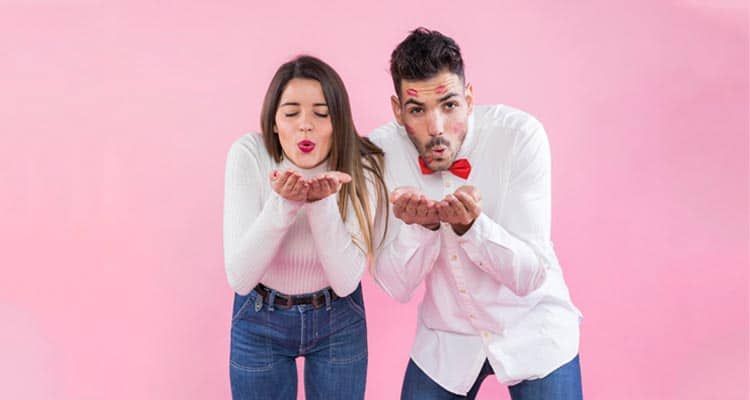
(115, 121)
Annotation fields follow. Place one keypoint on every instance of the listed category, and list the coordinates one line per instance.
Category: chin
(440, 165)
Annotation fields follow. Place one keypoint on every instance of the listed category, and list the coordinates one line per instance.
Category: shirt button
(472, 316)
(448, 183)
(485, 334)
(462, 291)
(454, 257)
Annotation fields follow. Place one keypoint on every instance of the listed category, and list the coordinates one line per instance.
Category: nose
(306, 123)
(435, 124)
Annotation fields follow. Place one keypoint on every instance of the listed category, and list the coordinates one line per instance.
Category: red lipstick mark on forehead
(412, 92)
(440, 89)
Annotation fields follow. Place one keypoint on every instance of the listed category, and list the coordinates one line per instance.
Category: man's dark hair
(422, 55)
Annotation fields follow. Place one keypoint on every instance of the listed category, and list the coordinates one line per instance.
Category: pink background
(115, 119)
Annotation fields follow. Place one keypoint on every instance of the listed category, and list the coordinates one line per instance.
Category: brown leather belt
(317, 299)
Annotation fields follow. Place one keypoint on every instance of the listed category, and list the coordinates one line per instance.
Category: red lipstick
(305, 146)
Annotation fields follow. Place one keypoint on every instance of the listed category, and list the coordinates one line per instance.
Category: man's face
(435, 113)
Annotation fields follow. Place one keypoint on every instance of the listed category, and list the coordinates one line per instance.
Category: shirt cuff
(416, 233)
(473, 239)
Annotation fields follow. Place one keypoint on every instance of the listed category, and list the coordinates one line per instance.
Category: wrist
(460, 229)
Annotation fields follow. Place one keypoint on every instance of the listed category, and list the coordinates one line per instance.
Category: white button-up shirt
(497, 292)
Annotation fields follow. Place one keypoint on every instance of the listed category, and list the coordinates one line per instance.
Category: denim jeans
(266, 341)
(563, 383)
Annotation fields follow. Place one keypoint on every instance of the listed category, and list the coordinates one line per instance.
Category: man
(471, 218)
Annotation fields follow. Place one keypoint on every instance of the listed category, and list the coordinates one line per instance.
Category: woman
(300, 201)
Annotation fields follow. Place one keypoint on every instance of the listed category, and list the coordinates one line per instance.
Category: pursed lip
(438, 150)
(305, 146)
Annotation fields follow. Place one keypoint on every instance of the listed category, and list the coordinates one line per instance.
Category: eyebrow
(294, 103)
(420, 104)
(447, 96)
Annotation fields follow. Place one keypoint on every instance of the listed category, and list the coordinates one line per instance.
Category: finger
(401, 200)
(443, 210)
(315, 185)
(461, 214)
(413, 203)
(406, 202)
(325, 186)
(402, 190)
(457, 207)
(465, 199)
(469, 203)
(423, 206)
(335, 184)
(299, 185)
(397, 194)
(340, 176)
(290, 182)
(399, 206)
(280, 181)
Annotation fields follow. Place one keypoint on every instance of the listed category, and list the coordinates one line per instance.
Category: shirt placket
(457, 269)
(454, 261)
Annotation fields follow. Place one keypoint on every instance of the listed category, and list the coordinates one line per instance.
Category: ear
(275, 129)
(469, 94)
(396, 106)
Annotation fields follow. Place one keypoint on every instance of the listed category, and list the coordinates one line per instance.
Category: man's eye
(415, 110)
(451, 105)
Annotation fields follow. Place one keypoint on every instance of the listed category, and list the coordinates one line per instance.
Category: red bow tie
(461, 168)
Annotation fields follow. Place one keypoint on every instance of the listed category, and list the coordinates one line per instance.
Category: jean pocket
(348, 343)
(243, 304)
(250, 348)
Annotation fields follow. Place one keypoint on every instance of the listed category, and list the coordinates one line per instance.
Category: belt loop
(271, 300)
(327, 294)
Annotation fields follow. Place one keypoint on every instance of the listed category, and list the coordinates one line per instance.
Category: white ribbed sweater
(293, 247)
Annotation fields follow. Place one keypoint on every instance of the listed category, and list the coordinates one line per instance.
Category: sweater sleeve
(253, 228)
(340, 245)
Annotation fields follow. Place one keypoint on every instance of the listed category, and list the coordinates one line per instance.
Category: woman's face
(303, 123)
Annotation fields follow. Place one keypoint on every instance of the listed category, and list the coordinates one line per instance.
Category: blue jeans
(563, 383)
(266, 341)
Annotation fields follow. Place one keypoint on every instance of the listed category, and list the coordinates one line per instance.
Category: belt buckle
(318, 301)
(288, 301)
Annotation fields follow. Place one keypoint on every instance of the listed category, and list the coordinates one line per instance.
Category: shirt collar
(470, 140)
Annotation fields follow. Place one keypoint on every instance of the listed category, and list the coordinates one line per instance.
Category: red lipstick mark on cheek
(460, 130)
(440, 89)
(409, 129)
(412, 92)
